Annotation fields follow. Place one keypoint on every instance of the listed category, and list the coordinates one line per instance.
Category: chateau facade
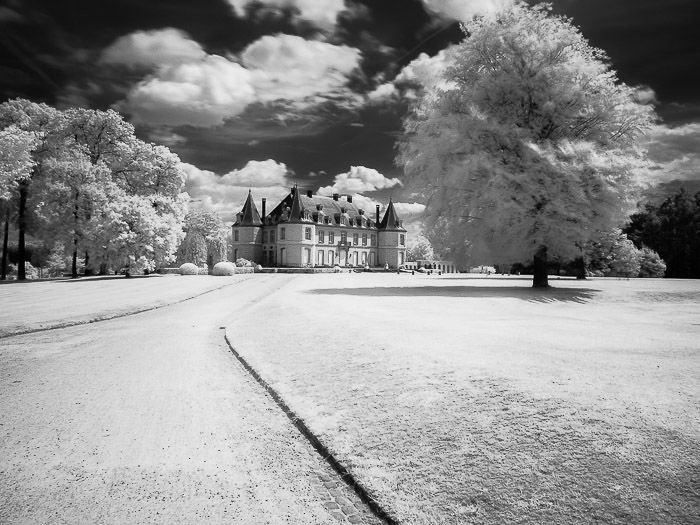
(307, 230)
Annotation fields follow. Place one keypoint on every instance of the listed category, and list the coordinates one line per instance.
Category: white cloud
(464, 10)
(645, 95)
(674, 152)
(321, 12)
(202, 93)
(292, 68)
(152, 49)
(359, 179)
(209, 89)
(226, 194)
(422, 72)
(408, 210)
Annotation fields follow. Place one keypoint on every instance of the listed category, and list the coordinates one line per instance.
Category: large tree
(16, 164)
(527, 147)
(23, 116)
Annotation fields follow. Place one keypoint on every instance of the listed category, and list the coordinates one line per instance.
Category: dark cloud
(50, 51)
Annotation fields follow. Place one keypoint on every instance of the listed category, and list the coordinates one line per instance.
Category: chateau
(311, 230)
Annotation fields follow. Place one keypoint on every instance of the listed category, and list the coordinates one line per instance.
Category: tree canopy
(91, 186)
(528, 144)
(671, 228)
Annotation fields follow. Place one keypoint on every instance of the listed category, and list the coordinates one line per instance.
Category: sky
(264, 94)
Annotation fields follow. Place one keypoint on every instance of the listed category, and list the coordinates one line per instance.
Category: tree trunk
(580, 268)
(4, 245)
(539, 278)
(88, 271)
(74, 266)
(22, 226)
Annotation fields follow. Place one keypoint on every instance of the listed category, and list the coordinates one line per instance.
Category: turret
(246, 232)
(391, 239)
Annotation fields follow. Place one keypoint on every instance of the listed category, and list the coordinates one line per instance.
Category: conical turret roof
(391, 220)
(297, 211)
(249, 215)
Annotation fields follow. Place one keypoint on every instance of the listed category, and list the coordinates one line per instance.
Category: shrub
(224, 268)
(258, 268)
(241, 262)
(651, 263)
(203, 270)
(189, 269)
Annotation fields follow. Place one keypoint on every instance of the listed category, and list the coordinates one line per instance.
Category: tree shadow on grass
(533, 295)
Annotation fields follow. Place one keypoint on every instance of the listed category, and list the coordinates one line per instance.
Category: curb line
(115, 316)
(315, 442)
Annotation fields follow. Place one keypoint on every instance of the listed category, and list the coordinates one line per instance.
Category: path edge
(345, 475)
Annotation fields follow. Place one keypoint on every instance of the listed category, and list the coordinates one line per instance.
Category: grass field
(462, 400)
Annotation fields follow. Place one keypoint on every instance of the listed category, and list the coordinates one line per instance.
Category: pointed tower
(391, 239)
(246, 232)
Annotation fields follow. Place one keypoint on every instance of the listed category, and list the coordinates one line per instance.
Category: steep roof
(391, 221)
(295, 206)
(249, 215)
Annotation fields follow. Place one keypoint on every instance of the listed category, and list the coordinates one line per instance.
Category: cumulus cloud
(152, 49)
(674, 152)
(322, 13)
(408, 210)
(645, 95)
(423, 72)
(208, 89)
(202, 93)
(464, 10)
(225, 194)
(359, 179)
(290, 67)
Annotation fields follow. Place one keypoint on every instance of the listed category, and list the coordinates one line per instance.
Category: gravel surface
(149, 418)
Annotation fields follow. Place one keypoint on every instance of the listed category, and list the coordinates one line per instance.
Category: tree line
(80, 182)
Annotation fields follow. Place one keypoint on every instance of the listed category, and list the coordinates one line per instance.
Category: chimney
(263, 207)
(349, 198)
(335, 196)
(377, 214)
(309, 193)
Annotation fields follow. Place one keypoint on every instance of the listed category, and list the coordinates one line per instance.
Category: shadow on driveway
(533, 295)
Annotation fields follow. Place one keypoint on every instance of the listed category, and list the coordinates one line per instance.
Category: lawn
(463, 400)
(37, 305)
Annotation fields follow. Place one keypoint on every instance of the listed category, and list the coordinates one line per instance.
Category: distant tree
(420, 250)
(673, 230)
(528, 145)
(205, 239)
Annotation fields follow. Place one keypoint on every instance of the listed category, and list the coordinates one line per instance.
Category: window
(331, 257)
(402, 239)
(331, 237)
(272, 236)
(307, 234)
(282, 234)
(401, 256)
(235, 235)
(364, 239)
(355, 239)
(264, 237)
(321, 236)
(373, 239)
(235, 254)
(343, 237)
